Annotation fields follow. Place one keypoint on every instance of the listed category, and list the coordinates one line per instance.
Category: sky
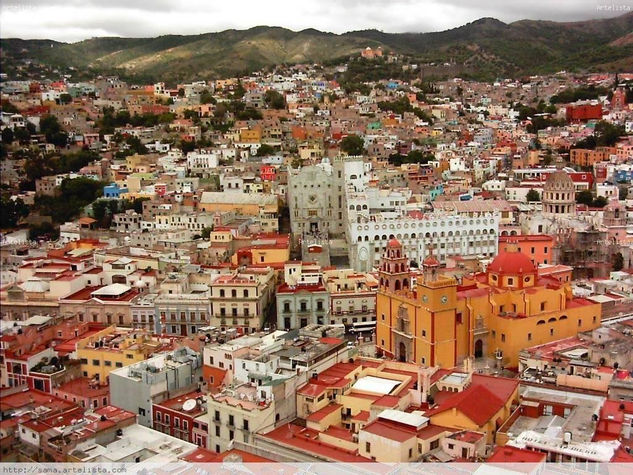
(75, 20)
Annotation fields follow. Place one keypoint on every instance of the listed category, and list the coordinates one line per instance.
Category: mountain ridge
(484, 47)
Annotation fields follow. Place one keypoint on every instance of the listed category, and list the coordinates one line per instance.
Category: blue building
(624, 176)
(113, 191)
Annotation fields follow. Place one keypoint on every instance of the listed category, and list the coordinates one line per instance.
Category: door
(479, 348)
(402, 351)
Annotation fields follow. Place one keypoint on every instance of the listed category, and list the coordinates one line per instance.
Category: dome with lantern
(512, 269)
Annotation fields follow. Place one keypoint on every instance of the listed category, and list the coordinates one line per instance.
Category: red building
(584, 112)
(176, 417)
(268, 173)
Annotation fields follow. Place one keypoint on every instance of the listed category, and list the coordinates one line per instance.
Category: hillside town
(290, 267)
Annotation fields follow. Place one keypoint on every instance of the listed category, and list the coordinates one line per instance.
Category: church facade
(496, 313)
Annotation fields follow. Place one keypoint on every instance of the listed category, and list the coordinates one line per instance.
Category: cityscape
(386, 251)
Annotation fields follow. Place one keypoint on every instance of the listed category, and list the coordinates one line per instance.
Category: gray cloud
(73, 20)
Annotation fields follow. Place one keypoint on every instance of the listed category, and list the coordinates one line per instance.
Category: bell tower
(394, 268)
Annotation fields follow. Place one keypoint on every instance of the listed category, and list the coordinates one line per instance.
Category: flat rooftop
(373, 384)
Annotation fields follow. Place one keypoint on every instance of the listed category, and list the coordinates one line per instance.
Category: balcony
(480, 328)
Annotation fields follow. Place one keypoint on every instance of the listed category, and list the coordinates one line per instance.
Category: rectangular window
(529, 337)
(231, 420)
(459, 318)
(367, 447)
(141, 412)
(245, 424)
(95, 362)
(503, 337)
(217, 431)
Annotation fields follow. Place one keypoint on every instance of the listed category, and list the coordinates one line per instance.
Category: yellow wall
(249, 209)
(457, 420)
(107, 358)
(270, 256)
(440, 338)
(333, 418)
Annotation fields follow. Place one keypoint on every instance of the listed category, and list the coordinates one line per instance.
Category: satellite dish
(189, 405)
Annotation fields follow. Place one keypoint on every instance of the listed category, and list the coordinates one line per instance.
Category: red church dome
(393, 242)
(431, 261)
(512, 263)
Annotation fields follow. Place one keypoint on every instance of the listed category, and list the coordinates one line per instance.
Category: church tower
(394, 268)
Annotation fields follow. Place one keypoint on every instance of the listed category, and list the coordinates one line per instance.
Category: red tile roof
(508, 454)
(480, 401)
(214, 376)
(304, 439)
(391, 431)
(324, 412)
(361, 416)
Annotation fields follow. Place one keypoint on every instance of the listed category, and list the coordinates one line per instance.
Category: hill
(485, 48)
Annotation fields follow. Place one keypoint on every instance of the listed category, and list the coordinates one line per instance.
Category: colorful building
(493, 314)
(538, 247)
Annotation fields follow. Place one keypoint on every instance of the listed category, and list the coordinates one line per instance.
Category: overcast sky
(74, 20)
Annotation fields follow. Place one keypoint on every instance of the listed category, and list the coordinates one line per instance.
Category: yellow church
(497, 313)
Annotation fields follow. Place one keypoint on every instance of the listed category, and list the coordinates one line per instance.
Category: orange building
(538, 247)
(495, 313)
(587, 158)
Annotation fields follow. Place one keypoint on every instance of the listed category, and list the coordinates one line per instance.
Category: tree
(265, 150)
(12, 212)
(44, 231)
(352, 145)
(532, 195)
(207, 98)
(624, 192)
(618, 261)
(206, 232)
(138, 204)
(7, 135)
(99, 211)
(187, 146)
(181, 92)
(274, 99)
(50, 127)
(9, 108)
(65, 98)
(600, 202)
(585, 197)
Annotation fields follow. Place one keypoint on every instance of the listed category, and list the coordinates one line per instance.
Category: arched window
(541, 322)
(397, 285)
(562, 317)
(553, 319)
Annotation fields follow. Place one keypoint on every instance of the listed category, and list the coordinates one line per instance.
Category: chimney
(424, 383)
